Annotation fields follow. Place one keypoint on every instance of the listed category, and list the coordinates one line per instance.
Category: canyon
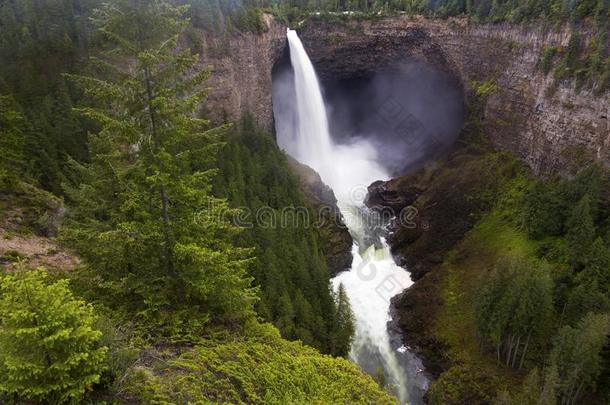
(553, 127)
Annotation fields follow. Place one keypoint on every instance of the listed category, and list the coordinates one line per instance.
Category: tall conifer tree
(145, 216)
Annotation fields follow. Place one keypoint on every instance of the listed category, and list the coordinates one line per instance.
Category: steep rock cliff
(241, 66)
(546, 125)
(336, 240)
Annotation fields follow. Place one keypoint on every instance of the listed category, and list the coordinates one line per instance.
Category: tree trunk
(527, 341)
(509, 349)
(168, 258)
(577, 393)
(516, 352)
(563, 311)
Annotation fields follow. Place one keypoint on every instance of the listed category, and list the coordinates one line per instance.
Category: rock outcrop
(336, 240)
(392, 195)
(241, 66)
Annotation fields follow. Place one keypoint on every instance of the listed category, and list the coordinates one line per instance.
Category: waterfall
(374, 276)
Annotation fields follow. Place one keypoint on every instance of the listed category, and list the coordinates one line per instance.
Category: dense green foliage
(50, 351)
(41, 40)
(576, 355)
(568, 220)
(152, 193)
(12, 142)
(261, 369)
(290, 267)
(535, 390)
(161, 257)
(515, 304)
(144, 217)
(518, 290)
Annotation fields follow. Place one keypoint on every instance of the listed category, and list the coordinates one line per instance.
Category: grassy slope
(474, 370)
(491, 239)
(29, 218)
(460, 277)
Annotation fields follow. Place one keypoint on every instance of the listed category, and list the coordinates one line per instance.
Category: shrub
(546, 63)
(463, 384)
(259, 369)
(49, 351)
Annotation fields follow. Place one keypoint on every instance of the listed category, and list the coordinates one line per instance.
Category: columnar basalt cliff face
(241, 73)
(544, 124)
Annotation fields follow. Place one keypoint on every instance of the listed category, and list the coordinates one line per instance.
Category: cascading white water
(348, 169)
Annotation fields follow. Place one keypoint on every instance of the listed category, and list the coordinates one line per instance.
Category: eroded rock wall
(546, 125)
(241, 73)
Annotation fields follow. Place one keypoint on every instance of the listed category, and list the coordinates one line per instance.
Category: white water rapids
(374, 276)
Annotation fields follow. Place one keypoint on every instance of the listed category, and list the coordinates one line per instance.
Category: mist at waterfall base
(379, 128)
(409, 114)
(405, 115)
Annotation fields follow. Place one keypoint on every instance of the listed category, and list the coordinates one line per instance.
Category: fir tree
(290, 268)
(576, 355)
(541, 212)
(344, 323)
(587, 297)
(12, 141)
(145, 215)
(514, 306)
(580, 232)
(49, 351)
(598, 265)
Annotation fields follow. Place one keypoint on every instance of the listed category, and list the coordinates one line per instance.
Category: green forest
(151, 188)
(174, 293)
(526, 292)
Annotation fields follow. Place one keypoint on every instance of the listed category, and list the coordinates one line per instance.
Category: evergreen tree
(145, 217)
(344, 323)
(576, 355)
(598, 266)
(514, 307)
(534, 391)
(49, 351)
(585, 298)
(589, 181)
(40, 40)
(580, 232)
(12, 141)
(541, 212)
(290, 268)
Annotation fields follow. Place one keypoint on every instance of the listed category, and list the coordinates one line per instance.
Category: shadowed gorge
(409, 113)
